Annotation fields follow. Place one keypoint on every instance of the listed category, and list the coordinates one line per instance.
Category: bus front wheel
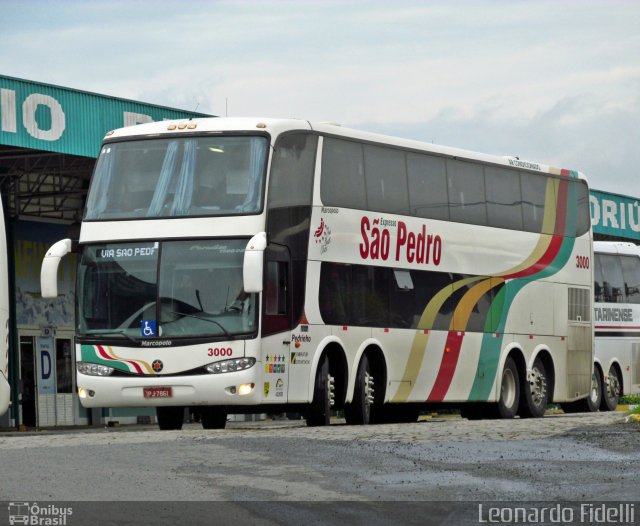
(170, 417)
(213, 418)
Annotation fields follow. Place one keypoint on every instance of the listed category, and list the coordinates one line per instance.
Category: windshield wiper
(225, 331)
(107, 333)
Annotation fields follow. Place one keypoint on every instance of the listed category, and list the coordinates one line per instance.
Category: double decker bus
(261, 265)
(616, 323)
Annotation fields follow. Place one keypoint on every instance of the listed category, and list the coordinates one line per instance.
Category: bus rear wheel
(358, 412)
(319, 411)
(170, 417)
(536, 392)
(213, 418)
(591, 403)
(507, 405)
(611, 390)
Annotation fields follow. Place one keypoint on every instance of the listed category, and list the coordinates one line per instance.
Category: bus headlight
(230, 366)
(93, 369)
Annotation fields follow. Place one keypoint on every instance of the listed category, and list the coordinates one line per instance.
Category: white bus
(4, 320)
(616, 322)
(247, 265)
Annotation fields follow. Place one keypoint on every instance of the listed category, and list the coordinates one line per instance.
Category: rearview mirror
(254, 262)
(49, 270)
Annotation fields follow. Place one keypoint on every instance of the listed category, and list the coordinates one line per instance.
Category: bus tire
(611, 390)
(319, 411)
(507, 406)
(594, 400)
(213, 418)
(358, 412)
(473, 411)
(170, 418)
(591, 403)
(535, 394)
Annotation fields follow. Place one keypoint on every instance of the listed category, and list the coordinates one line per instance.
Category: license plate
(157, 392)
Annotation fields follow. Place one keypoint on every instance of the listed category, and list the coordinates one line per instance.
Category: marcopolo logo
(38, 515)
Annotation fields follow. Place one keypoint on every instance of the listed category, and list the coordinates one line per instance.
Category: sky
(555, 82)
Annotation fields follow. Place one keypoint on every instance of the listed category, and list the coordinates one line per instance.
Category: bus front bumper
(236, 388)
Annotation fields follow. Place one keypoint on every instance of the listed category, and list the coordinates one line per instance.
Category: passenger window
(292, 168)
(631, 274)
(598, 288)
(427, 186)
(386, 177)
(613, 282)
(466, 193)
(343, 174)
(534, 190)
(584, 214)
(504, 206)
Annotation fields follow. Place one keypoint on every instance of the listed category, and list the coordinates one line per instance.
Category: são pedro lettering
(410, 246)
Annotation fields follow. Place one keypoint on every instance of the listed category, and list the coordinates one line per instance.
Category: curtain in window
(184, 188)
(164, 181)
(256, 163)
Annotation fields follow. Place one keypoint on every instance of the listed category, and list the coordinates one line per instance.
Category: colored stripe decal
(106, 356)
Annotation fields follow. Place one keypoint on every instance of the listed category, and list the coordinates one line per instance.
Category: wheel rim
(538, 386)
(508, 390)
(613, 385)
(595, 388)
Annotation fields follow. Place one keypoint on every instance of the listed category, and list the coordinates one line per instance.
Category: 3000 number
(220, 351)
(582, 261)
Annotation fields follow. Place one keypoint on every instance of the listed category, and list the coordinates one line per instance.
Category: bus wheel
(473, 411)
(319, 412)
(594, 400)
(507, 406)
(611, 390)
(358, 412)
(213, 418)
(170, 417)
(591, 403)
(536, 392)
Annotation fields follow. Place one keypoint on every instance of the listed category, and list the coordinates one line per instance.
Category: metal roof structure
(49, 138)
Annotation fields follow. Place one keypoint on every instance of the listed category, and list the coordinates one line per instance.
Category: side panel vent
(579, 304)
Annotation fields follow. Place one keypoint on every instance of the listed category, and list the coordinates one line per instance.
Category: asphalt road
(269, 472)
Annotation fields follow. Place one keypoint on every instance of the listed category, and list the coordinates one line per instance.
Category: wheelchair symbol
(148, 328)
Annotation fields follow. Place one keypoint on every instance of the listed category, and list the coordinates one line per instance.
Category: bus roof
(278, 126)
(616, 247)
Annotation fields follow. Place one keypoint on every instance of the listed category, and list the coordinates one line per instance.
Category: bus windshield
(178, 177)
(164, 289)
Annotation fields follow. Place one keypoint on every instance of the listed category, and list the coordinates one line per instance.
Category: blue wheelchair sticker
(148, 328)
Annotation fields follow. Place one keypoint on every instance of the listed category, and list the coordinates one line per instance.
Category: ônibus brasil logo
(38, 515)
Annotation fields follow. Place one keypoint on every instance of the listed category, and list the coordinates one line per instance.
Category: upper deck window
(178, 177)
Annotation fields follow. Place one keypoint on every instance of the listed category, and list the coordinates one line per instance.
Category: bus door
(276, 323)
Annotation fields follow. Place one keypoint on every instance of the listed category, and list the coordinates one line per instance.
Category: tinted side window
(386, 177)
(598, 287)
(631, 273)
(534, 188)
(584, 214)
(292, 168)
(613, 282)
(343, 174)
(466, 193)
(504, 208)
(427, 186)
